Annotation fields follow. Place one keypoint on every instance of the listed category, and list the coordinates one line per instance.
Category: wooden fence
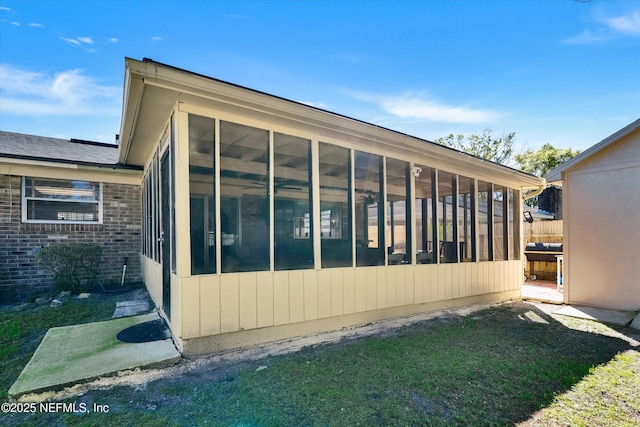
(542, 232)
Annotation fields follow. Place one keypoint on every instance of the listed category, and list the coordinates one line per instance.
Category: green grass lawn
(21, 331)
(506, 365)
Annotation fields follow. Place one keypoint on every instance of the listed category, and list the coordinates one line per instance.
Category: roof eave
(556, 176)
(131, 97)
(63, 163)
(148, 73)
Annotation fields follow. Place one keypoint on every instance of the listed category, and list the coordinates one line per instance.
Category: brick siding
(119, 235)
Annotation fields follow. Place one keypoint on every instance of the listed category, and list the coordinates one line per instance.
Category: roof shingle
(56, 149)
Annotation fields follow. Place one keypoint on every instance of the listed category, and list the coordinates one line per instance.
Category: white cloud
(628, 24)
(156, 39)
(113, 40)
(67, 93)
(5, 9)
(410, 106)
(320, 105)
(609, 28)
(71, 41)
(14, 23)
(36, 25)
(585, 37)
(79, 41)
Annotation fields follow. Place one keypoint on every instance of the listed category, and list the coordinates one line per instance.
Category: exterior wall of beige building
(601, 207)
(265, 219)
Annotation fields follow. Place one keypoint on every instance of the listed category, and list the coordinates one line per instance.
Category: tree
(542, 161)
(499, 150)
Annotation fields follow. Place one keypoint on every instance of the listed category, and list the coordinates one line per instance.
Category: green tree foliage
(75, 266)
(542, 161)
(485, 145)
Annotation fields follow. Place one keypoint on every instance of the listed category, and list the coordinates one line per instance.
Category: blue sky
(565, 72)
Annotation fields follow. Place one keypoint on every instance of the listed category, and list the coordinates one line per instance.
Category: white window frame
(26, 199)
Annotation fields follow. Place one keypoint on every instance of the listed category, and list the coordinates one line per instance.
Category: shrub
(75, 266)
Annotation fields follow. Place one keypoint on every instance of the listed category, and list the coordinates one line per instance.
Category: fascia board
(187, 83)
(131, 100)
(556, 175)
(44, 169)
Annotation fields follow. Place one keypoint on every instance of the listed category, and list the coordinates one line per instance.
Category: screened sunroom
(266, 219)
(365, 213)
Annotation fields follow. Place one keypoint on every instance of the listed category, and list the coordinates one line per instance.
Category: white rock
(84, 295)
(55, 303)
(261, 368)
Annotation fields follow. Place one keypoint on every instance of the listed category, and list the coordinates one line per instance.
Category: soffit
(155, 109)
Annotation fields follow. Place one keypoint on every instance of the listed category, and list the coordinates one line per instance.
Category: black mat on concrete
(154, 330)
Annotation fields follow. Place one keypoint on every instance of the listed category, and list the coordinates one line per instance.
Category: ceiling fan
(369, 199)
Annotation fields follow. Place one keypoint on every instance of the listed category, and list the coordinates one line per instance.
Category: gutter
(155, 74)
(534, 193)
(65, 163)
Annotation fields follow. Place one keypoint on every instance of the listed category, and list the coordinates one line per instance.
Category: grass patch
(602, 398)
(502, 366)
(22, 331)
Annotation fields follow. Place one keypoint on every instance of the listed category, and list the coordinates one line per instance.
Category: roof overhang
(556, 176)
(142, 107)
(21, 166)
(152, 90)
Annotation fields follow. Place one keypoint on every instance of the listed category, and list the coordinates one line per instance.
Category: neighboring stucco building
(601, 208)
(264, 218)
(55, 190)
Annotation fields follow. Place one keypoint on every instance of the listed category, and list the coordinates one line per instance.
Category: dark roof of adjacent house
(42, 148)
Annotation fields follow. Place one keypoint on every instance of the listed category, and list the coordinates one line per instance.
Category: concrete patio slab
(533, 292)
(612, 317)
(130, 308)
(635, 323)
(73, 354)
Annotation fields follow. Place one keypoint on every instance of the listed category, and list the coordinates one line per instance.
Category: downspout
(534, 193)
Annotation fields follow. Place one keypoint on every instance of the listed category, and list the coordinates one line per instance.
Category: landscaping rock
(63, 295)
(21, 307)
(55, 303)
(43, 300)
(84, 295)
(130, 308)
(261, 368)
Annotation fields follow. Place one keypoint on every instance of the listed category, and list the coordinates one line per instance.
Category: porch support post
(315, 203)
(183, 243)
